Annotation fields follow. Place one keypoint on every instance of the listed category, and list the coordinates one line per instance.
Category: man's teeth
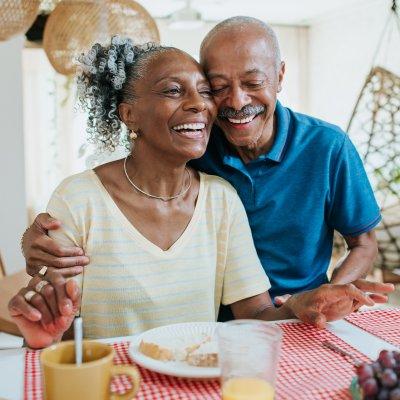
(195, 127)
(242, 121)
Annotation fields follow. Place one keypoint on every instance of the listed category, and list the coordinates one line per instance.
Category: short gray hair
(240, 22)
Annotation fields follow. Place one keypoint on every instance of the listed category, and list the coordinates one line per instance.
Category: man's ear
(281, 74)
(126, 112)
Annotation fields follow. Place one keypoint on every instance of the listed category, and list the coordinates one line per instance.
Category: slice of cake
(158, 351)
(197, 350)
(205, 355)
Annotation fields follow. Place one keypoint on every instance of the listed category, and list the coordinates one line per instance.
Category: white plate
(174, 368)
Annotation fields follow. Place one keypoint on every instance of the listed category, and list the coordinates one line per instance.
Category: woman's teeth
(242, 121)
(192, 131)
(193, 127)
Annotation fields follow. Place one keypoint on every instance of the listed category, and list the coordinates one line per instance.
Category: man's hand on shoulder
(39, 249)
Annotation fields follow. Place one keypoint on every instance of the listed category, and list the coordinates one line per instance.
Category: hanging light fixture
(186, 18)
(75, 25)
(16, 16)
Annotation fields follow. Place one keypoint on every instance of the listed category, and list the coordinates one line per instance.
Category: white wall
(341, 48)
(13, 216)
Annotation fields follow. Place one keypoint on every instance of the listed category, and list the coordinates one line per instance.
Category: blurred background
(342, 65)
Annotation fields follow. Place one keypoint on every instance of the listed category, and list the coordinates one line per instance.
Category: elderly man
(299, 178)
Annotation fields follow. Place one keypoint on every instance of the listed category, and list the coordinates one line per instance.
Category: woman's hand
(330, 302)
(49, 313)
(39, 249)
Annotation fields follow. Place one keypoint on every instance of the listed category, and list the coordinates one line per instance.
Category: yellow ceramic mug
(64, 380)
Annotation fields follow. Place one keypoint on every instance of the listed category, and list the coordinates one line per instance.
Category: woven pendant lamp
(16, 16)
(75, 25)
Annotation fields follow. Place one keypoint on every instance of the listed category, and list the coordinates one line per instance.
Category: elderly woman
(167, 244)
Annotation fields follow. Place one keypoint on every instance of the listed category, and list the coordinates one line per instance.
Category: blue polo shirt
(310, 183)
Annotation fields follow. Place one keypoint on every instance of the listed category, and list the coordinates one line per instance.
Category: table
(12, 361)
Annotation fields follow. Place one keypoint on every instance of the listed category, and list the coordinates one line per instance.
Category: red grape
(395, 394)
(381, 379)
(385, 353)
(386, 359)
(388, 378)
(369, 387)
(364, 371)
(376, 367)
(383, 394)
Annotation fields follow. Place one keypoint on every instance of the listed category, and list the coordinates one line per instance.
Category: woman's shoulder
(78, 182)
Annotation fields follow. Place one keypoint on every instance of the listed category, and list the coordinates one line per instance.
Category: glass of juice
(248, 357)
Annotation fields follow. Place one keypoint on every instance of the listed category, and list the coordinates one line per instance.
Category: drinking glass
(248, 357)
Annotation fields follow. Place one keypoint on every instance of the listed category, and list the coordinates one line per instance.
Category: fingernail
(80, 252)
(36, 314)
(67, 307)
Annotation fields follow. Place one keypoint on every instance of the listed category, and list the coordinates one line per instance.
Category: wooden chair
(2, 268)
(9, 285)
(390, 277)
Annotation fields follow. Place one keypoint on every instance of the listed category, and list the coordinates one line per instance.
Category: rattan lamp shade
(16, 16)
(74, 25)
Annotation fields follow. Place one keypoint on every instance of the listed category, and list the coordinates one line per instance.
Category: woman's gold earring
(132, 135)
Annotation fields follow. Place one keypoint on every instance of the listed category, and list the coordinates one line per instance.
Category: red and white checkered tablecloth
(382, 323)
(153, 386)
(307, 371)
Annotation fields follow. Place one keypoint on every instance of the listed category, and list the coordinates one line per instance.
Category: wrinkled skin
(335, 302)
(49, 314)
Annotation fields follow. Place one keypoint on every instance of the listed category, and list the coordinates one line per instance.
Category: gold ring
(28, 295)
(40, 285)
(43, 271)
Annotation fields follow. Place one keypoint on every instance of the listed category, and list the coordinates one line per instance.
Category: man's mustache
(246, 111)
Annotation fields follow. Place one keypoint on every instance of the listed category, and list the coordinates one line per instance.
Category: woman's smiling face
(173, 111)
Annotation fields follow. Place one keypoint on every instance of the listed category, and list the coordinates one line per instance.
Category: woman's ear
(127, 115)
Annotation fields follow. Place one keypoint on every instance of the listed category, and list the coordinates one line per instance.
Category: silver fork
(354, 360)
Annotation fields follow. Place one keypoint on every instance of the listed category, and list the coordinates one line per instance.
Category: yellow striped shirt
(132, 285)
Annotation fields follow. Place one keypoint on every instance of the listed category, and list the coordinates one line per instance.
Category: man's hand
(373, 289)
(330, 302)
(361, 284)
(39, 249)
(49, 313)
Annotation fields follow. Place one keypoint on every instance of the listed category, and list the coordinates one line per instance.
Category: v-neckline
(146, 243)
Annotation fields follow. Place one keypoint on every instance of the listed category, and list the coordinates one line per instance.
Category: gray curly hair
(105, 79)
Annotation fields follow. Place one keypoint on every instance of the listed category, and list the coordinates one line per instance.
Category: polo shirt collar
(277, 150)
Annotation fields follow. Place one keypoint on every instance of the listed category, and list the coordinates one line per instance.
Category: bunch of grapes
(380, 380)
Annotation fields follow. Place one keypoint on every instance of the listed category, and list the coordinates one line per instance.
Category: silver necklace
(152, 196)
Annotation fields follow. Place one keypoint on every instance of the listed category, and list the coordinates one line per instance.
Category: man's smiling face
(245, 77)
